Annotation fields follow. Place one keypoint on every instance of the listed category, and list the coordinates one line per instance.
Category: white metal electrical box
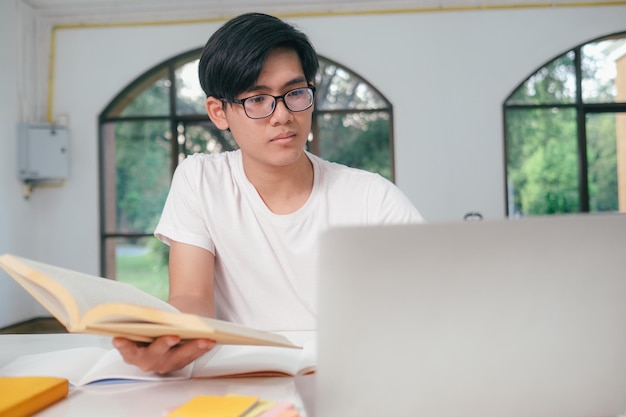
(43, 152)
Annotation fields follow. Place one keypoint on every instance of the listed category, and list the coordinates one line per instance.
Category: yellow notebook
(215, 406)
(24, 396)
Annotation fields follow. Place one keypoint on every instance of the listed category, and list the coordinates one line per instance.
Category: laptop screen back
(489, 319)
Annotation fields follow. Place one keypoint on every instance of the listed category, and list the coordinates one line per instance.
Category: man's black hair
(234, 55)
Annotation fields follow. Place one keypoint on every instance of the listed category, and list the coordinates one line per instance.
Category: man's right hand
(165, 354)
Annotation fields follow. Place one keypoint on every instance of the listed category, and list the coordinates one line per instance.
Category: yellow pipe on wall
(328, 13)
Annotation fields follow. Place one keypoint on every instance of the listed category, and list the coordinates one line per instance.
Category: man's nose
(281, 109)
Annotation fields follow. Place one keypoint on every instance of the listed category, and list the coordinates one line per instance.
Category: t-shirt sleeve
(387, 204)
(182, 218)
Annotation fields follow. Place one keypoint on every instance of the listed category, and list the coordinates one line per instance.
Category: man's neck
(283, 189)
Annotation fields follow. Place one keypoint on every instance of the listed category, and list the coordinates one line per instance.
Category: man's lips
(283, 137)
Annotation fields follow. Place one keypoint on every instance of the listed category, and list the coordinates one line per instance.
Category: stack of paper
(233, 405)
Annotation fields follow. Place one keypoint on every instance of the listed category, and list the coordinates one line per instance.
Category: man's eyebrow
(260, 87)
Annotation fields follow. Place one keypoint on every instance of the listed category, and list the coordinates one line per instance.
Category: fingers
(165, 354)
(146, 357)
(183, 354)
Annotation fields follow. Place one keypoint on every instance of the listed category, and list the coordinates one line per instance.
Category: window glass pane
(553, 84)
(148, 98)
(136, 171)
(142, 262)
(189, 95)
(620, 129)
(604, 71)
(338, 88)
(204, 137)
(541, 156)
(603, 135)
(359, 140)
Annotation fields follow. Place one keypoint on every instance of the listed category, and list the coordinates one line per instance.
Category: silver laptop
(512, 318)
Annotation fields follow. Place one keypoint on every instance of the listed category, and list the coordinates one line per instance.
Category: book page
(308, 340)
(237, 360)
(308, 359)
(56, 299)
(88, 365)
(143, 324)
(85, 365)
(89, 291)
(62, 310)
(234, 360)
(71, 364)
(111, 367)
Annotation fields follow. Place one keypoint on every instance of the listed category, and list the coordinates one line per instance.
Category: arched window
(159, 119)
(565, 133)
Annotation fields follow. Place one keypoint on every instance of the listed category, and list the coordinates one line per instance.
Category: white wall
(16, 213)
(446, 74)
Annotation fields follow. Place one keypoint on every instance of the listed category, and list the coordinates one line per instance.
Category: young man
(243, 226)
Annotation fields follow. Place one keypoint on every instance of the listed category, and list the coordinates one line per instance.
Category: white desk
(138, 399)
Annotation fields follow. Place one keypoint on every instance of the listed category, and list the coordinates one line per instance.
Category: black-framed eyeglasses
(263, 105)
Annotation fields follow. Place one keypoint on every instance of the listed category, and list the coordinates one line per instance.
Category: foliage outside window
(159, 119)
(565, 134)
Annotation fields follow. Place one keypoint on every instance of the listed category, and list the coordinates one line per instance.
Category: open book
(90, 304)
(88, 365)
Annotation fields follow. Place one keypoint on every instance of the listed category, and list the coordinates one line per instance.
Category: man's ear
(215, 110)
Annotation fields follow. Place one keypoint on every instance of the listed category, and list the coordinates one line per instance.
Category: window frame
(111, 115)
(582, 110)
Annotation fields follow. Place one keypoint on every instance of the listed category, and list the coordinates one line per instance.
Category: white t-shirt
(265, 274)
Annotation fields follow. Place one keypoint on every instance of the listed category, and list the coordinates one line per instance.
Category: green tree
(602, 162)
(356, 128)
(142, 173)
(359, 140)
(542, 160)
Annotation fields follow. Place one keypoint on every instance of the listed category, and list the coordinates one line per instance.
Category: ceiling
(172, 9)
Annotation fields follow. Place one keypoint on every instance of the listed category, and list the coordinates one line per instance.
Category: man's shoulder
(223, 161)
(336, 168)
(336, 173)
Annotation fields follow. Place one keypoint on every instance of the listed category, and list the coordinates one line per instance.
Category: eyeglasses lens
(261, 106)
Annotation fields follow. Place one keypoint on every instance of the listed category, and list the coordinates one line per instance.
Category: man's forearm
(193, 305)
